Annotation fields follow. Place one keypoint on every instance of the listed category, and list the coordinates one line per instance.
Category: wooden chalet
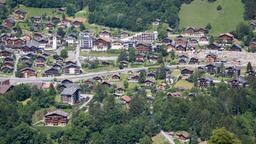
(235, 47)
(204, 82)
(186, 71)
(70, 93)
(210, 58)
(232, 71)
(213, 46)
(27, 72)
(252, 47)
(56, 118)
(52, 72)
(72, 69)
(238, 83)
(101, 45)
(194, 60)
(226, 38)
(143, 48)
(40, 61)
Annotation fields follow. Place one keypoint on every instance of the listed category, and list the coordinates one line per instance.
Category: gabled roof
(58, 112)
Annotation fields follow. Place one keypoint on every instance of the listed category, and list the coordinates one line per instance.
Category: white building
(86, 41)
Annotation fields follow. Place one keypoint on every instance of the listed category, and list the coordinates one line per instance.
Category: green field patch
(184, 85)
(200, 12)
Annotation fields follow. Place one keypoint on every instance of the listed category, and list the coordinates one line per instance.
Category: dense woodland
(110, 122)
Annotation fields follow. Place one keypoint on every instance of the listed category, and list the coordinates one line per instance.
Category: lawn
(200, 12)
(159, 139)
(47, 130)
(31, 11)
(175, 73)
(184, 84)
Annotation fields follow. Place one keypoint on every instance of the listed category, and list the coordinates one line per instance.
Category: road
(16, 63)
(168, 137)
(90, 75)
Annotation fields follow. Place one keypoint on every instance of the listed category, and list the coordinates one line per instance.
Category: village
(61, 53)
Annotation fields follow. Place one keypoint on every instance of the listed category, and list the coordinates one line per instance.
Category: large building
(56, 118)
(86, 41)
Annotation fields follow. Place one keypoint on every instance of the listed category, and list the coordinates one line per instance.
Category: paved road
(89, 75)
(168, 137)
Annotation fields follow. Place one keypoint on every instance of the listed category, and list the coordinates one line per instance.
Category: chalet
(182, 61)
(106, 84)
(70, 94)
(4, 88)
(139, 58)
(174, 94)
(27, 72)
(36, 19)
(71, 39)
(153, 58)
(213, 47)
(211, 69)
(149, 82)
(104, 34)
(180, 40)
(89, 83)
(7, 69)
(166, 41)
(252, 47)
(28, 49)
(183, 136)
(56, 118)
(124, 35)
(232, 71)
(226, 38)
(193, 42)
(143, 48)
(238, 83)
(151, 75)
(186, 72)
(100, 45)
(98, 79)
(119, 91)
(9, 23)
(126, 99)
(117, 45)
(52, 72)
(6, 53)
(50, 25)
(57, 66)
(8, 59)
(40, 61)
(116, 77)
(15, 43)
(72, 69)
(69, 62)
(55, 20)
(76, 23)
(180, 48)
(211, 58)
(170, 47)
(235, 47)
(66, 81)
(59, 60)
(8, 63)
(203, 41)
(20, 14)
(193, 60)
(204, 82)
(189, 31)
(61, 10)
(134, 78)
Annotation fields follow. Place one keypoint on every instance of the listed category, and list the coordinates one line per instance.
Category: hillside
(200, 12)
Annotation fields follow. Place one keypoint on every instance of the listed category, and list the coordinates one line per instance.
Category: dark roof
(58, 112)
(5, 88)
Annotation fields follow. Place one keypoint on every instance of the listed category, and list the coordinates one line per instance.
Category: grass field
(159, 139)
(31, 11)
(184, 84)
(200, 12)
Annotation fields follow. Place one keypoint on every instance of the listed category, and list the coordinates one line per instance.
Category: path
(168, 137)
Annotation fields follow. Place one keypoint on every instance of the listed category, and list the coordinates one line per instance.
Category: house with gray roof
(70, 93)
